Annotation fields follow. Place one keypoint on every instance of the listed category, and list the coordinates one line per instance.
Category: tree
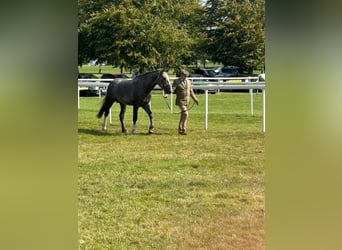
(144, 34)
(150, 34)
(236, 32)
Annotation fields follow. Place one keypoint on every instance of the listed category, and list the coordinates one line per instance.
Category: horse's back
(117, 84)
(123, 91)
(132, 91)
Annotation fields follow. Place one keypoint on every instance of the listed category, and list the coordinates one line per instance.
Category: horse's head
(164, 83)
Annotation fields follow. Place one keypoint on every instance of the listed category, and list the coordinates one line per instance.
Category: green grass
(166, 191)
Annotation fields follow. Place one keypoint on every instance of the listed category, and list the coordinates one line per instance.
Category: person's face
(183, 76)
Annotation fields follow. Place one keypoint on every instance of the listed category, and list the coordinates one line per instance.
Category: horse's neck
(149, 84)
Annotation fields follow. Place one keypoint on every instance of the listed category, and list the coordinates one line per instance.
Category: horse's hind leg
(148, 110)
(106, 112)
(135, 118)
(104, 124)
(122, 117)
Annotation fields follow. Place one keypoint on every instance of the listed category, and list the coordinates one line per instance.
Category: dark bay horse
(136, 92)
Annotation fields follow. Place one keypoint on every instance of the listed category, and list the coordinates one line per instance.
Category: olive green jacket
(183, 93)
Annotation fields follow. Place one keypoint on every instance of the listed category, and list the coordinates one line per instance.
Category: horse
(135, 92)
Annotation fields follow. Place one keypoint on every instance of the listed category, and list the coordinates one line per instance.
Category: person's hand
(197, 102)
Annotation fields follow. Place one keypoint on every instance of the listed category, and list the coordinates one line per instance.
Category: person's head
(184, 74)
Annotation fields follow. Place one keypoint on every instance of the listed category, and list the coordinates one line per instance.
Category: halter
(160, 75)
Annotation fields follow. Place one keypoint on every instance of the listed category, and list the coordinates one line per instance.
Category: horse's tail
(101, 111)
(106, 103)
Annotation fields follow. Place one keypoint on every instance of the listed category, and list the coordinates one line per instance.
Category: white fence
(206, 84)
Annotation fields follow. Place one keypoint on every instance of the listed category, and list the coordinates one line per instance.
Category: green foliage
(168, 34)
(165, 191)
(237, 32)
(139, 34)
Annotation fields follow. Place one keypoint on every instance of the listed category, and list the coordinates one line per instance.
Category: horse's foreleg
(148, 110)
(122, 117)
(135, 118)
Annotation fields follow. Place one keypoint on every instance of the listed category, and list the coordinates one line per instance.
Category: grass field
(167, 191)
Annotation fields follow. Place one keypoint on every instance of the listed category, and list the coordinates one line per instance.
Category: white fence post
(251, 97)
(78, 97)
(171, 102)
(206, 109)
(263, 110)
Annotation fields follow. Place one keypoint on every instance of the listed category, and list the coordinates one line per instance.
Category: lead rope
(168, 105)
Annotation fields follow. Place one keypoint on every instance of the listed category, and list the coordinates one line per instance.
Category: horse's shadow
(98, 132)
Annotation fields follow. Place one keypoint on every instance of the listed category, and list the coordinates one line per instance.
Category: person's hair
(184, 72)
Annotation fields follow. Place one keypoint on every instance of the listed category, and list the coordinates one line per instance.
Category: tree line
(150, 34)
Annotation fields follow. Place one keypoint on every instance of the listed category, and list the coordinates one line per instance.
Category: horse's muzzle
(166, 92)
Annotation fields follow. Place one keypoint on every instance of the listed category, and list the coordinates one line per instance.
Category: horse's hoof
(104, 126)
(151, 132)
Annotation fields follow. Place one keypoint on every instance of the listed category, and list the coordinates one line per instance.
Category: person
(183, 89)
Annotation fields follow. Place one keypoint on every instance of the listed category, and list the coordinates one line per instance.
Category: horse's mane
(147, 73)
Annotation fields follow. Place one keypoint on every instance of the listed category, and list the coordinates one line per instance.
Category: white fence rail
(241, 86)
(206, 84)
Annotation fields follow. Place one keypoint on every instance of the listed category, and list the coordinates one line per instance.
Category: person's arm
(192, 94)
